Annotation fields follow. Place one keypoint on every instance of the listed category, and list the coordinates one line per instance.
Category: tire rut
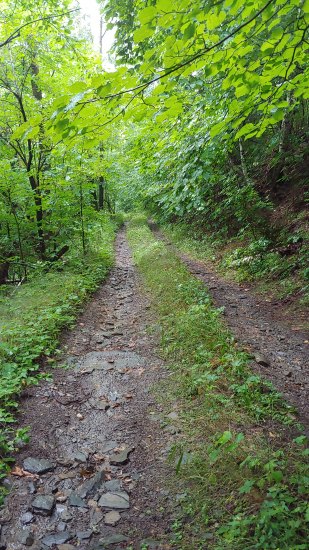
(101, 431)
(257, 328)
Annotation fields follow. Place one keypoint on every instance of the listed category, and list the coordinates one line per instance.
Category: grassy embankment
(280, 271)
(244, 471)
(32, 316)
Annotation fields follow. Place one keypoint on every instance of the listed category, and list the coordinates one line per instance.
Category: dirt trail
(258, 327)
(101, 403)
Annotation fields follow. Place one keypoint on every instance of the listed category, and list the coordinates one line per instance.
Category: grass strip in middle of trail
(241, 453)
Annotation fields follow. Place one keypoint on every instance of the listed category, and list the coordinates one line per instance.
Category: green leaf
(147, 14)
(246, 487)
(246, 129)
(213, 21)
(73, 102)
(277, 476)
(305, 6)
(225, 437)
(142, 33)
(216, 129)
(189, 31)
(78, 87)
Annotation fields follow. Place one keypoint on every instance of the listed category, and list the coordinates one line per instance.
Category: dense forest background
(203, 119)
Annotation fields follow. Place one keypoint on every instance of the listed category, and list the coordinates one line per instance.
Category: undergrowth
(280, 267)
(245, 472)
(31, 318)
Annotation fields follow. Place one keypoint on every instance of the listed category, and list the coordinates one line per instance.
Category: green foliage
(219, 134)
(247, 478)
(264, 261)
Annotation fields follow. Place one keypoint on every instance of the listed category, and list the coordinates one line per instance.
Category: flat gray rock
(90, 485)
(172, 415)
(66, 516)
(113, 485)
(261, 360)
(109, 446)
(75, 500)
(113, 539)
(117, 459)
(26, 518)
(25, 536)
(117, 501)
(79, 456)
(43, 504)
(112, 518)
(84, 535)
(56, 538)
(37, 465)
(95, 517)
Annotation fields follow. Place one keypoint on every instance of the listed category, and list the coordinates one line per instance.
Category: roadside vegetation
(280, 271)
(241, 455)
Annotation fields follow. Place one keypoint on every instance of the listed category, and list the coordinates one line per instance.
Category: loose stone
(79, 456)
(26, 518)
(57, 538)
(113, 485)
(75, 500)
(38, 465)
(109, 446)
(66, 516)
(95, 517)
(32, 487)
(84, 535)
(43, 504)
(261, 360)
(25, 537)
(172, 415)
(114, 539)
(118, 501)
(118, 459)
(112, 518)
(90, 485)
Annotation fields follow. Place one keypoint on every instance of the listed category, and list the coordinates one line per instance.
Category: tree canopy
(199, 92)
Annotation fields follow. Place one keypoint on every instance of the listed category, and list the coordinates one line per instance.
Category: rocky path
(94, 475)
(280, 348)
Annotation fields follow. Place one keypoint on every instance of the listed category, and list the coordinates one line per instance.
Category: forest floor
(265, 328)
(95, 474)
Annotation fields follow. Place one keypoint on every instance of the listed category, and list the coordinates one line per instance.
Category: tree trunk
(39, 213)
(101, 193)
(4, 271)
(243, 162)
